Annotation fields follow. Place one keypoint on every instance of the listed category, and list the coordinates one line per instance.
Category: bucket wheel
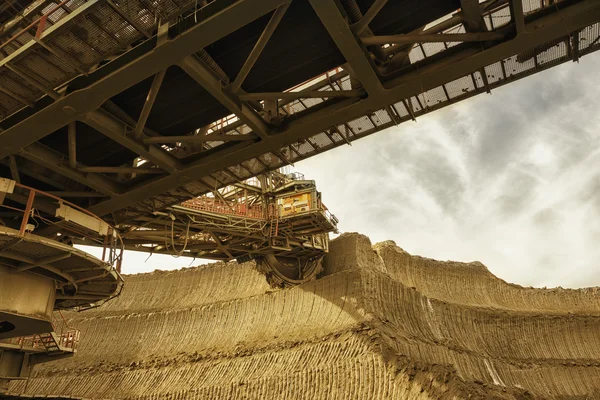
(289, 271)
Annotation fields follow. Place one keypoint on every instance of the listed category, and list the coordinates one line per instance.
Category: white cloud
(510, 179)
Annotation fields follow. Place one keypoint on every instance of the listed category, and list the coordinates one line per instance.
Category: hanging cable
(187, 231)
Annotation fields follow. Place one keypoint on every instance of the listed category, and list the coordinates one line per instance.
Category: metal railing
(32, 218)
(219, 207)
(38, 26)
(65, 337)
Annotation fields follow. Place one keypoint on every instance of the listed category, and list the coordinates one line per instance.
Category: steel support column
(473, 18)
(14, 169)
(72, 139)
(516, 10)
(152, 94)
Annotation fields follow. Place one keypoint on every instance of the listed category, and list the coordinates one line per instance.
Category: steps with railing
(63, 340)
(274, 227)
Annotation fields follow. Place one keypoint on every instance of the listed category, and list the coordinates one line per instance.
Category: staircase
(62, 341)
(274, 227)
(50, 341)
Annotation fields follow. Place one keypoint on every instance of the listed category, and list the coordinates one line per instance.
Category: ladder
(274, 227)
(50, 342)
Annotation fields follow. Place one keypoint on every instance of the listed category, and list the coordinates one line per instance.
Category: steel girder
(43, 155)
(111, 127)
(355, 55)
(537, 33)
(380, 93)
(75, 106)
(196, 69)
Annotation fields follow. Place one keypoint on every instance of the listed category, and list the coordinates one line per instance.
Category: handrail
(67, 338)
(219, 207)
(112, 241)
(40, 22)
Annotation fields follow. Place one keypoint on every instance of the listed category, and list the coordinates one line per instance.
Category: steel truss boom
(376, 90)
(76, 105)
(541, 31)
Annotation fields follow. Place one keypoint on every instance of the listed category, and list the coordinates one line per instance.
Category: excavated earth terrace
(380, 324)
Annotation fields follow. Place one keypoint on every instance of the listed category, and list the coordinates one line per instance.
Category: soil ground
(380, 324)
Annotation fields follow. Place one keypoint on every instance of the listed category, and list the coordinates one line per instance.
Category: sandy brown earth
(381, 324)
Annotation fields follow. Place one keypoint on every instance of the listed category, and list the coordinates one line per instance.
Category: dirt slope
(381, 324)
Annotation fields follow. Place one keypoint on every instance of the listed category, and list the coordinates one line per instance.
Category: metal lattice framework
(242, 221)
(128, 107)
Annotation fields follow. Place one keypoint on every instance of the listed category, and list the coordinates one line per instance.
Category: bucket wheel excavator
(276, 219)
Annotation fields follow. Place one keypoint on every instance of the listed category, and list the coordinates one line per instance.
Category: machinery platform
(81, 278)
(42, 275)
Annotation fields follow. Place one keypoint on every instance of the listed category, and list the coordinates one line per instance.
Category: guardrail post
(41, 26)
(27, 212)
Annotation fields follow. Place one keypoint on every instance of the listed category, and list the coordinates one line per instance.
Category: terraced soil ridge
(381, 324)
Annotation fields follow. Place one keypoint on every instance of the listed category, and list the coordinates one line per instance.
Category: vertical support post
(516, 10)
(150, 99)
(14, 169)
(575, 45)
(72, 145)
(104, 248)
(41, 26)
(272, 109)
(27, 212)
(119, 261)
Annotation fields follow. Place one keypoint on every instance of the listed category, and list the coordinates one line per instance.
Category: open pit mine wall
(381, 324)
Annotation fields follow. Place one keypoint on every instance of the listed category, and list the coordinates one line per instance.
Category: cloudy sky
(510, 179)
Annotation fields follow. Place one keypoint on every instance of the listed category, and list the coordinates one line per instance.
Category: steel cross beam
(304, 94)
(26, 167)
(473, 16)
(199, 72)
(116, 130)
(48, 158)
(361, 25)
(75, 106)
(259, 47)
(152, 94)
(213, 137)
(435, 38)
(357, 57)
(538, 32)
